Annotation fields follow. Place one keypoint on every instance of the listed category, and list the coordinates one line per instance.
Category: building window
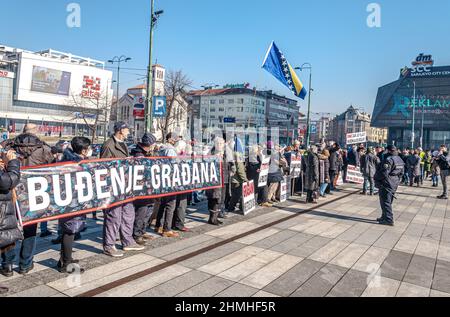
(221, 101)
(240, 101)
(230, 101)
(221, 109)
(212, 102)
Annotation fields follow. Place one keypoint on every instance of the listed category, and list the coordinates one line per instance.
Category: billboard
(50, 81)
(55, 81)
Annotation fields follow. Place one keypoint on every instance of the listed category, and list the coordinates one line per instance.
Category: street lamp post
(308, 118)
(148, 109)
(422, 133)
(119, 60)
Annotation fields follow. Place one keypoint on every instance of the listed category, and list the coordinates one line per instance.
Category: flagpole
(308, 118)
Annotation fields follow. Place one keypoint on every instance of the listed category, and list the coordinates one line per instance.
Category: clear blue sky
(224, 42)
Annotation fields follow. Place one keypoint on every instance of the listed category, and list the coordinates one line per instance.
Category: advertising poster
(50, 81)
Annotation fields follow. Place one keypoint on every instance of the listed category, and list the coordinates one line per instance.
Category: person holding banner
(80, 150)
(216, 196)
(32, 152)
(254, 165)
(312, 175)
(168, 204)
(142, 208)
(179, 217)
(238, 175)
(369, 163)
(324, 160)
(9, 229)
(119, 219)
(277, 162)
(334, 164)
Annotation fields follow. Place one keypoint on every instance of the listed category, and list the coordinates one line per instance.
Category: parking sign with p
(159, 106)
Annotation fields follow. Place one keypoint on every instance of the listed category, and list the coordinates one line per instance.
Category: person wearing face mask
(80, 150)
(120, 218)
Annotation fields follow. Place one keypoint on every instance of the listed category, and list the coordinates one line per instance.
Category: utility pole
(148, 110)
(149, 104)
(119, 60)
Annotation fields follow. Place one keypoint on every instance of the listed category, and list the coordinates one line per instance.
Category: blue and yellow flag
(276, 64)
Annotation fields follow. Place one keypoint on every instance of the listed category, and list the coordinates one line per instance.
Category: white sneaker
(134, 247)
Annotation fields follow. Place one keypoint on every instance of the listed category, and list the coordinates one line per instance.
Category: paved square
(334, 250)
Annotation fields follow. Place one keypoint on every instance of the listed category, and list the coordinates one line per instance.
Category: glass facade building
(420, 98)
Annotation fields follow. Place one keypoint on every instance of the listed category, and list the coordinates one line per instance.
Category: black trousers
(179, 216)
(67, 247)
(386, 200)
(166, 210)
(262, 193)
(141, 220)
(236, 195)
(227, 196)
(333, 175)
(214, 204)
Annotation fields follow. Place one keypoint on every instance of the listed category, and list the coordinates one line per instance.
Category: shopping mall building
(62, 93)
(420, 98)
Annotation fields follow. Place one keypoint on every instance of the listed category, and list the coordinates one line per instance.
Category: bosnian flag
(276, 64)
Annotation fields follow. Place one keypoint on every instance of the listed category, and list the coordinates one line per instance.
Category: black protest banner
(63, 190)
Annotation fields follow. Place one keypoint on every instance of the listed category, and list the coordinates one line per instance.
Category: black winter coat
(72, 225)
(334, 160)
(9, 231)
(139, 152)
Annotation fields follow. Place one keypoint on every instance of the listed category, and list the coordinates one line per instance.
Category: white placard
(354, 175)
(248, 197)
(356, 138)
(264, 172)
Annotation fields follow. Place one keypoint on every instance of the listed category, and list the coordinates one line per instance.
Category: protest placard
(264, 172)
(354, 175)
(356, 138)
(284, 190)
(248, 197)
(296, 166)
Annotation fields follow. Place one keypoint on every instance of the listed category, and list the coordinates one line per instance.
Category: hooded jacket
(32, 150)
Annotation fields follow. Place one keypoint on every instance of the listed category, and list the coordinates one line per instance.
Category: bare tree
(93, 110)
(176, 88)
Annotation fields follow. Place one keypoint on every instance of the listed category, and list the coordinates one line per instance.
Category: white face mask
(89, 153)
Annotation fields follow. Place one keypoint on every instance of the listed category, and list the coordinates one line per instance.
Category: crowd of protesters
(324, 167)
